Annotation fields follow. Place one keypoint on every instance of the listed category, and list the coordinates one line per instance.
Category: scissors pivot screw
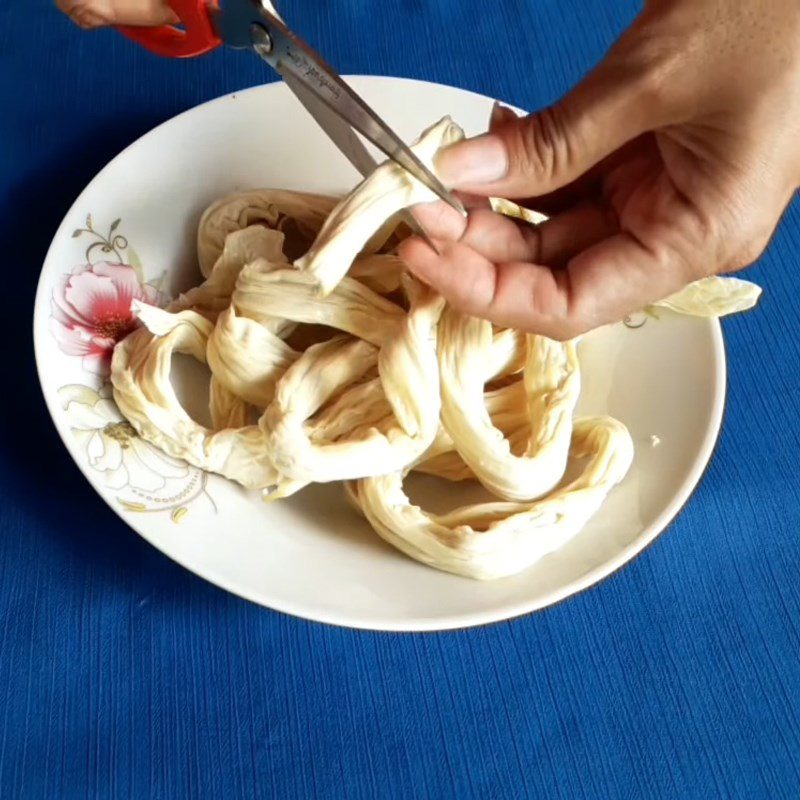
(262, 41)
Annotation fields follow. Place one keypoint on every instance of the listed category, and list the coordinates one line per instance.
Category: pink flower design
(91, 311)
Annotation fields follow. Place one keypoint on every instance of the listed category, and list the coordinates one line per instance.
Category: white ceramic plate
(311, 555)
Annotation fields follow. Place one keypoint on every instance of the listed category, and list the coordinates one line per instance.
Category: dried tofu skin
(297, 214)
(329, 362)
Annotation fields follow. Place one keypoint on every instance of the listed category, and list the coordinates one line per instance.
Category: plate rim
(598, 574)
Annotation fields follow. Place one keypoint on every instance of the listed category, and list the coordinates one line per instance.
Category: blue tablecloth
(123, 676)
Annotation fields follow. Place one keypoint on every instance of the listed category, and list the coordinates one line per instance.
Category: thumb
(542, 152)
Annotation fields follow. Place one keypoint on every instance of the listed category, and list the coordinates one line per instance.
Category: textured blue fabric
(123, 676)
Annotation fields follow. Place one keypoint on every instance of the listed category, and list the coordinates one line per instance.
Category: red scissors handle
(198, 35)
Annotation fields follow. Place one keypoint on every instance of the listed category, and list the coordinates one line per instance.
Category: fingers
(473, 284)
(499, 238)
(90, 14)
(561, 237)
(603, 283)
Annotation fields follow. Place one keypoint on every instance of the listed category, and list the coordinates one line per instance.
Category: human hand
(674, 159)
(90, 14)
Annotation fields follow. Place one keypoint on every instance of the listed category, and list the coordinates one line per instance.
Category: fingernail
(497, 114)
(480, 160)
(500, 114)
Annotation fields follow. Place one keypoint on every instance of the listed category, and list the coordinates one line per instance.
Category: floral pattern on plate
(90, 313)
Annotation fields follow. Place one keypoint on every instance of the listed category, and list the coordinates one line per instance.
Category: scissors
(247, 24)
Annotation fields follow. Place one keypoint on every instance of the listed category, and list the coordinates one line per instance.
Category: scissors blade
(345, 138)
(290, 56)
(340, 133)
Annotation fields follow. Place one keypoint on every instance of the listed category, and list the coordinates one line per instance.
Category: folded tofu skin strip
(329, 362)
